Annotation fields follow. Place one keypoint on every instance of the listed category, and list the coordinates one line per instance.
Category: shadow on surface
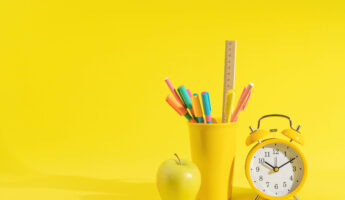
(86, 184)
(101, 189)
(238, 194)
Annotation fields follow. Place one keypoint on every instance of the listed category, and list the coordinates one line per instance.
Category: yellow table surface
(50, 187)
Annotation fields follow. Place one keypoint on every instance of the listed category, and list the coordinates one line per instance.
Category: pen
(243, 91)
(179, 108)
(185, 98)
(192, 109)
(189, 93)
(241, 102)
(229, 102)
(207, 106)
(242, 108)
(173, 91)
(197, 108)
(246, 101)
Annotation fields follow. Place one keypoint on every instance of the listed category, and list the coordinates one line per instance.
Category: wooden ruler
(229, 70)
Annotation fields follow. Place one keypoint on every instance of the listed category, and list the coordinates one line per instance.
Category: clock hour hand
(269, 165)
(286, 163)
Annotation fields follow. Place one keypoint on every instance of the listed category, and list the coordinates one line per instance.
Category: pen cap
(185, 97)
(206, 102)
(176, 105)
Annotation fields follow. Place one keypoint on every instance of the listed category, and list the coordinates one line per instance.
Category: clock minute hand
(269, 165)
(286, 163)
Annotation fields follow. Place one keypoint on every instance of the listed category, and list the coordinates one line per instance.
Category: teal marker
(207, 106)
(185, 97)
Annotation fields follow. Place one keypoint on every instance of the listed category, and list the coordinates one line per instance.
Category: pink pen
(246, 101)
(241, 102)
(243, 91)
(189, 93)
(245, 104)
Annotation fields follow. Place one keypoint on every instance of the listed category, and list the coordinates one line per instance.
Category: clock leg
(257, 197)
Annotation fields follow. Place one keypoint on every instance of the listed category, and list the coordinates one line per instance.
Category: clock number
(257, 169)
(267, 184)
(276, 186)
(294, 168)
(261, 160)
(291, 177)
(285, 153)
(267, 154)
(261, 178)
(275, 151)
(284, 184)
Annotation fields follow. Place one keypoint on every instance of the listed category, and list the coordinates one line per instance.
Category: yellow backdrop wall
(82, 86)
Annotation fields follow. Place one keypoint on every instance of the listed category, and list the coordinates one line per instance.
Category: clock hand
(286, 163)
(269, 165)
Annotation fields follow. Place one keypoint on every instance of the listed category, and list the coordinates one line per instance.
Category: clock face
(276, 169)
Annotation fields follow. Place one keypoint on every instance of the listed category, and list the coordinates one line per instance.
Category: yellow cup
(213, 151)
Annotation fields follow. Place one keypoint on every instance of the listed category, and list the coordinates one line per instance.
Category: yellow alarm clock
(275, 168)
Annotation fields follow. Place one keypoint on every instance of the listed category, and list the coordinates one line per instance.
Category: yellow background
(82, 89)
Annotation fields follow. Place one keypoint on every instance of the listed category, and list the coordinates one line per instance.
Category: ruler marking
(229, 70)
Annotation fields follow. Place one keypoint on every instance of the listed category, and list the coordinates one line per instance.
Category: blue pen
(207, 106)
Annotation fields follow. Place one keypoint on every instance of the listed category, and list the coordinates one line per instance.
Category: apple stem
(178, 158)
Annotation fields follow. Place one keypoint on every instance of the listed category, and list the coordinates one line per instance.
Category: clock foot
(257, 197)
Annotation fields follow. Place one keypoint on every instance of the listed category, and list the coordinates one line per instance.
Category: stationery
(229, 71)
(229, 103)
(182, 91)
(172, 89)
(246, 101)
(189, 104)
(207, 106)
(189, 93)
(243, 91)
(197, 108)
(245, 104)
(179, 108)
(241, 102)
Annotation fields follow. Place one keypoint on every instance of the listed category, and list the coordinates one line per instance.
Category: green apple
(178, 180)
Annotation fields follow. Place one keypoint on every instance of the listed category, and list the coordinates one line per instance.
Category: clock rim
(269, 141)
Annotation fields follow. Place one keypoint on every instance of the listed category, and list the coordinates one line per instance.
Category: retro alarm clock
(275, 168)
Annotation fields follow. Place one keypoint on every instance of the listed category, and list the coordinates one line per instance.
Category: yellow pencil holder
(213, 151)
